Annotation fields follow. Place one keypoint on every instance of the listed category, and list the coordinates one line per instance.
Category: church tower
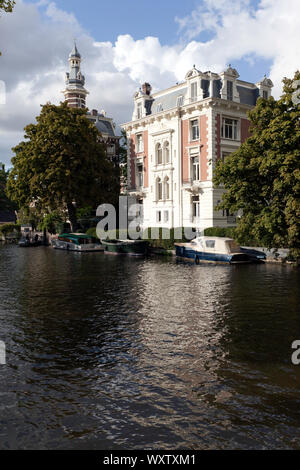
(75, 93)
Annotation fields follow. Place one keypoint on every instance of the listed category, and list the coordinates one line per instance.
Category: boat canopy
(217, 244)
(76, 238)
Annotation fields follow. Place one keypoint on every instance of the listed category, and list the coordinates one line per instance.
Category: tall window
(195, 169)
(196, 208)
(180, 101)
(159, 108)
(230, 129)
(166, 188)
(159, 155)
(139, 143)
(229, 90)
(139, 110)
(265, 95)
(158, 216)
(166, 152)
(194, 91)
(140, 178)
(159, 189)
(195, 129)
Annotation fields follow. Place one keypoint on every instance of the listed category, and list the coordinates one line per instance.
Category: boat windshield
(85, 241)
(233, 247)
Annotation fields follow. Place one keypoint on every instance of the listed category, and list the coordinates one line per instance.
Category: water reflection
(106, 352)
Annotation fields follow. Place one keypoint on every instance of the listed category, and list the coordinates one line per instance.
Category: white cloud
(36, 40)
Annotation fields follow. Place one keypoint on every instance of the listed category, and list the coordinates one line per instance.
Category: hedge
(9, 228)
(146, 235)
(231, 232)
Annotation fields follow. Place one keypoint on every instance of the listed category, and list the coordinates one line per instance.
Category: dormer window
(139, 110)
(180, 101)
(194, 91)
(265, 95)
(229, 90)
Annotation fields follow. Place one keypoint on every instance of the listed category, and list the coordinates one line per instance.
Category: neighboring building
(176, 137)
(75, 96)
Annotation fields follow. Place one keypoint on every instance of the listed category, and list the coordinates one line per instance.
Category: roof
(168, 100)
(74, 52)
(105, 127)
(76, 236)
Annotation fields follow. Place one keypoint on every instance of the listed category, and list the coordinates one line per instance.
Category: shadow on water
(110, 352)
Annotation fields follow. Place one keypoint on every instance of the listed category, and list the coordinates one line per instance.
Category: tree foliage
(62, 162)
(262, 178)
(5, 203)
(7, 6)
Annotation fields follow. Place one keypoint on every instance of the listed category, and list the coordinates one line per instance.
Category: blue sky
(106, 20)
(124, 43)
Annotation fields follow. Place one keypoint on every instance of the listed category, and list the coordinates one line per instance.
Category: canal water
(106, 352)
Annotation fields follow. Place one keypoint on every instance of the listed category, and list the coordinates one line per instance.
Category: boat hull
(130, 248)
(67, 246)
(198, 257)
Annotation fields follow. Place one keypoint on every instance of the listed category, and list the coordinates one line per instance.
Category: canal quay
(108, 352)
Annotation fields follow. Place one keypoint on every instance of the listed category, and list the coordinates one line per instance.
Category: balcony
(137, 191)
(192, 185)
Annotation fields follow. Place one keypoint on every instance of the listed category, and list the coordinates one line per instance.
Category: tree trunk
(72, 216)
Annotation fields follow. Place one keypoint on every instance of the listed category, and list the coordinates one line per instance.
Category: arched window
(166, 152)
(159, 159)
(166, 188)
(159, 189)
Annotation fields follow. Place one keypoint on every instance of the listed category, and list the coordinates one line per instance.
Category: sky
(124, 43)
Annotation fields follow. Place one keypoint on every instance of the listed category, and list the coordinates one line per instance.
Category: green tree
(5, 203)
(7, 6)
(61, 164)
(262, 178)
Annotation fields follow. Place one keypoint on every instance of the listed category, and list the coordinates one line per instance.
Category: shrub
(231, 232)
(8, 228)
(161, 242)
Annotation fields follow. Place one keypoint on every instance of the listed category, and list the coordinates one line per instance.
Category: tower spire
(75, 93)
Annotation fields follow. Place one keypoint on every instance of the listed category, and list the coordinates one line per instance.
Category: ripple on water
(106, 353)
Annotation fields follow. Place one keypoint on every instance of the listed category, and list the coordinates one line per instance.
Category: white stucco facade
(176, 137)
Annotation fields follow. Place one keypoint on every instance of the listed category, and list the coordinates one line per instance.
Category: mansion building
(175, 138)
(75, 96)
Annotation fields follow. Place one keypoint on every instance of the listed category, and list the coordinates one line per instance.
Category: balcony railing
(191, 181)
(231, 219)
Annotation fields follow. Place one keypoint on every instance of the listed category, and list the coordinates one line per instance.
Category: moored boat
(78, 242)
(213, 250)
(125, 247)
(26, 242)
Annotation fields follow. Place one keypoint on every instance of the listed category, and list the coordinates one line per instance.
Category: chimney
(147, 88)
